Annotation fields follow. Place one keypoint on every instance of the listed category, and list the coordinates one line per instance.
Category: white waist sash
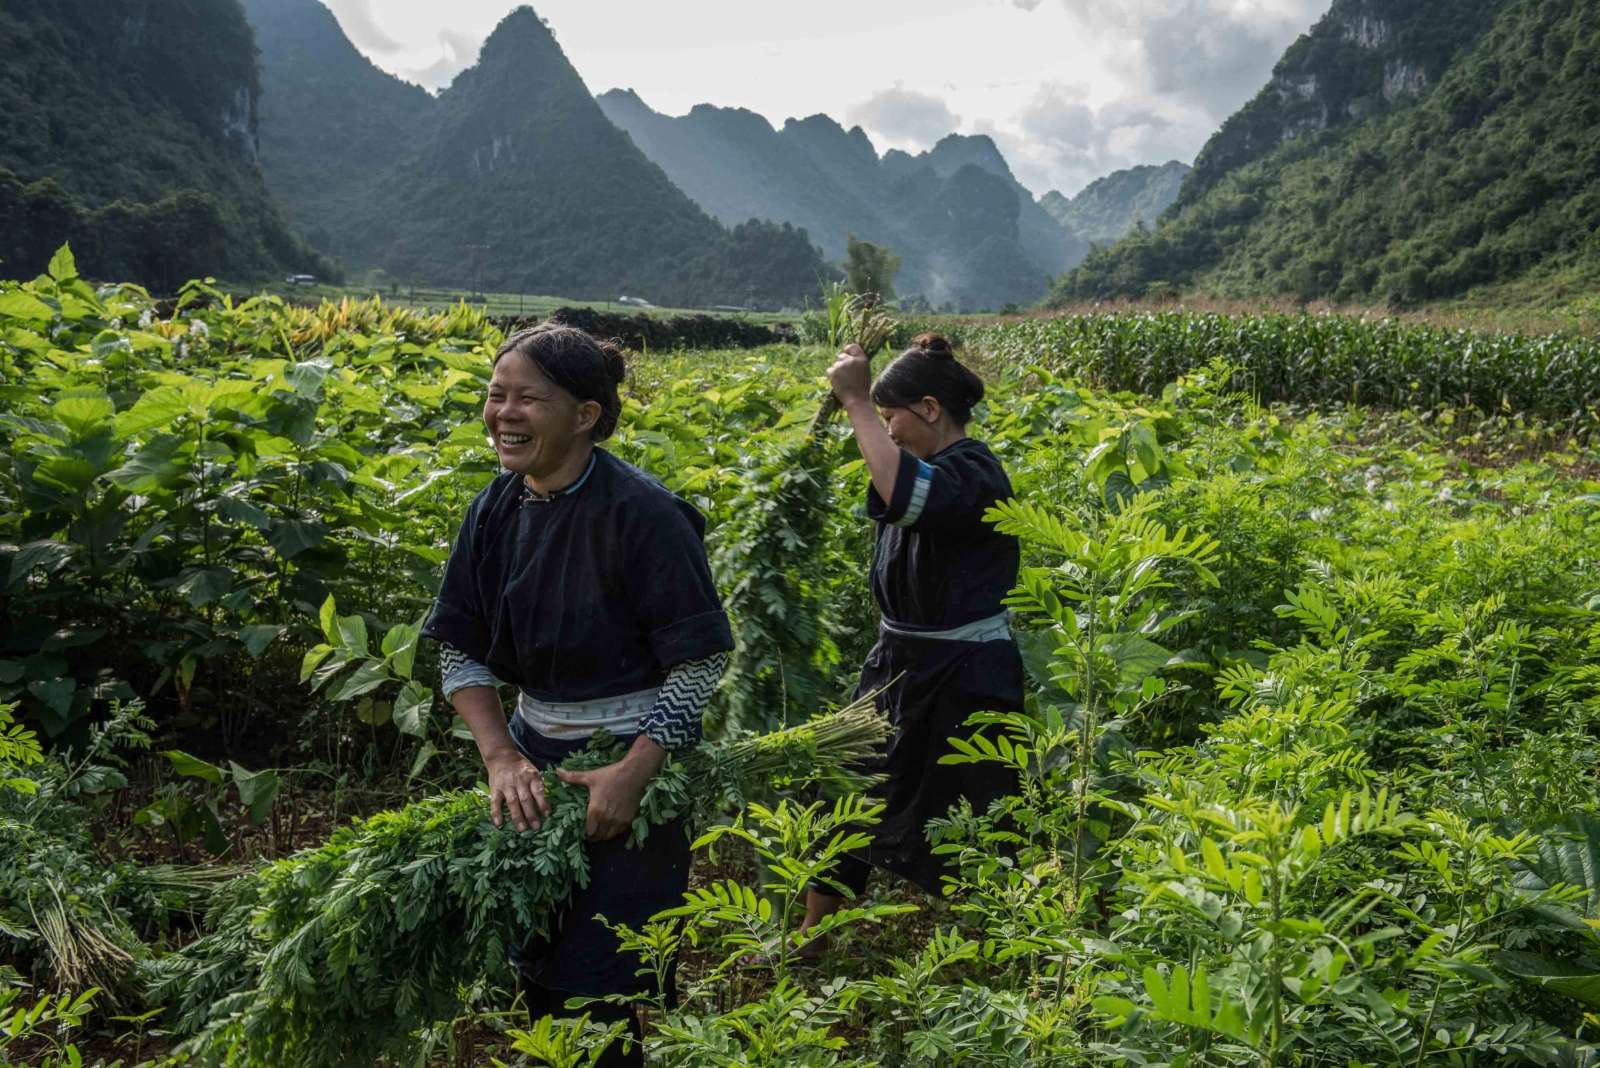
(579, 719)
(996, 628)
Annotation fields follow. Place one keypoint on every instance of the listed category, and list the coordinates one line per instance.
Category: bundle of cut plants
(769, 548)
(340, 955)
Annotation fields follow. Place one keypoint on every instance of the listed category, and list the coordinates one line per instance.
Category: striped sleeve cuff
(911, 486)
(675, 721)
(458, 671)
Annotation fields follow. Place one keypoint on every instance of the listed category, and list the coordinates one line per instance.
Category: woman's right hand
(851, 376)
(516, 785)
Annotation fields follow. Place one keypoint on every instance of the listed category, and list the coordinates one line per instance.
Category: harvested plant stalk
(770, 550)
(339, 954)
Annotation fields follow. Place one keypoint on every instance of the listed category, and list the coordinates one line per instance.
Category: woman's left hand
(614, 795)
(851, 376)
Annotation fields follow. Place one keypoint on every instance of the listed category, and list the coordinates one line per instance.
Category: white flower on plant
(146, 317)
(199, 329)
(1446, 493)
(1321, 514)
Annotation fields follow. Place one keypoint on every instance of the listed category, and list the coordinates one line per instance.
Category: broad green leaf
(257, 789)
(18, 304)
(258, 636)
(192, 767)
(84, 413)
(1575, 980)
(291, 537)
(242, 511)
(411, 709)
(1568, 853)
(306, 378)
(373, 712)
(63, 268)
(314, 656)
(366, 678)
(49, 555)
(352, 635)
(159, 407)
(202, 586)
(327, 617)
(424, 754)
(400, 647)
(56, 696)
(153, 467)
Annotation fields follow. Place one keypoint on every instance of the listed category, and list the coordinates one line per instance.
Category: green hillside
(1107, 208)
(1487, 177)
(129, 129)
(511, 179)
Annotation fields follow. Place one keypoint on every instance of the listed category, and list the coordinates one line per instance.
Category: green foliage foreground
(342, 953)
(1308, 771)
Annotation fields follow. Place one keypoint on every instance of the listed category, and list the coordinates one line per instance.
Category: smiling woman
(582, 581)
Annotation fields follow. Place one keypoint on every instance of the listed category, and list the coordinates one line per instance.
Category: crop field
(1310, 771)
(495, 305)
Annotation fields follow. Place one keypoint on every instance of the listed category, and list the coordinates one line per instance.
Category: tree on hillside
(870, 269)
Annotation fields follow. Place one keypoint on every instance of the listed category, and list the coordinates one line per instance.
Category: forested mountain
(512, 178)
(968, 233)
(1110, 207)
(128, 127)
(1404, 151)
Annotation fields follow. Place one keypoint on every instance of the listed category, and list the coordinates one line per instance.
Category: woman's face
(914, 428)
(533, 423)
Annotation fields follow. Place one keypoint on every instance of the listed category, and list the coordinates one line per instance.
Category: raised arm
(851, 378)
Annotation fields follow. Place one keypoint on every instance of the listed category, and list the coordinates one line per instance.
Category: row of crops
(1318, 359)
(1308, 775)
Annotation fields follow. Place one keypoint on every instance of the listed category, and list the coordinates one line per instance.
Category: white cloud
(359, 23)
(457, 52)
(1179, 68)
(904, 117)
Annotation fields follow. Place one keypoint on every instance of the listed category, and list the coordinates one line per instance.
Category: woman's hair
(585, 366)
(929, 368)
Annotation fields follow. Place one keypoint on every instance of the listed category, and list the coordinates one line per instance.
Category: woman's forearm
(877, 447)
(479, 707)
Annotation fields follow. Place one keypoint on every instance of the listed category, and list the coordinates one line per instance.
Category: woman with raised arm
(939, 575)
(582, 582)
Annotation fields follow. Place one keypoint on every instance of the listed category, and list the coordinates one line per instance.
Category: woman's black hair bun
(616, 363)
(934, 344)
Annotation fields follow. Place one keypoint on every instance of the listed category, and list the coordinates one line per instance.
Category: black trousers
(928, 687)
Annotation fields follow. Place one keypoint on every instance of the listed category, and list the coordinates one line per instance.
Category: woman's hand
(516, 785)
(614, 795)
(616, 789)
(851, 376)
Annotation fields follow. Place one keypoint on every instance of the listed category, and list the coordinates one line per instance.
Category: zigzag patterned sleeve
(674, 722)
(457, 671)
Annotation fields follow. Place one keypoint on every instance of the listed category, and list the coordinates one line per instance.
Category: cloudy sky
(1069, 89)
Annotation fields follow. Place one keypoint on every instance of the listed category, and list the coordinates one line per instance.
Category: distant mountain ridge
(129, 127)
(1110, 207)
(968, 233)
(512, 178)
(1458, 151)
